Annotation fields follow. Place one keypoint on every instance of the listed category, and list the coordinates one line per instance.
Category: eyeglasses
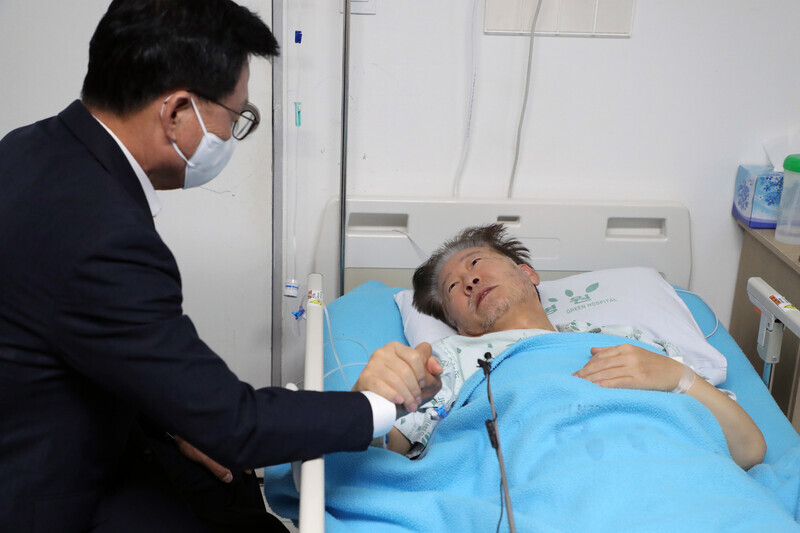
(246, 121)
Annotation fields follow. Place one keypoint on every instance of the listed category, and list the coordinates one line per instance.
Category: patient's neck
(536, 320)
(529, 318)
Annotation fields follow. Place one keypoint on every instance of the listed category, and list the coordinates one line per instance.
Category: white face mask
(209, 159)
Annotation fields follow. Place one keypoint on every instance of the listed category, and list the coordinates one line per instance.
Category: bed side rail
(312, 472)
(776, 312)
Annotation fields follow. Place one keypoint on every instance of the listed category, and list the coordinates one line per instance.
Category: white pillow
(635, 296)
(419, 327)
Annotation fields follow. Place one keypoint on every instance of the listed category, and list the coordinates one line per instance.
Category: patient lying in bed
(480, 283)
(458, 355)
(584, 450)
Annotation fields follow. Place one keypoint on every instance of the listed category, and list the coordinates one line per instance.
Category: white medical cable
(333, 347)
(342, 369)
(329, 372)
(356, 341)
(423, 255)
(716, 325)
(524, 101)
(468, 133)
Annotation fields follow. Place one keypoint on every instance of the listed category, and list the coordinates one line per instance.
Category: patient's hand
(631, 367)
(405, 376)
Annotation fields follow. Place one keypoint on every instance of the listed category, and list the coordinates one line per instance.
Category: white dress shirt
(149, 192)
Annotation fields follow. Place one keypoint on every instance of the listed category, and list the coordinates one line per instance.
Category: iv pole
(343, 157)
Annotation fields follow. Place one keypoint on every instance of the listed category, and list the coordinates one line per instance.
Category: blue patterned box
(757, 195)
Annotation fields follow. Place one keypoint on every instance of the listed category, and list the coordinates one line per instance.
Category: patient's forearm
(398, 442)
(745, 441)
(632, 367)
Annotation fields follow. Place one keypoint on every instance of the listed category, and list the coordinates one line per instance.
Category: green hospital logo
(578, 300)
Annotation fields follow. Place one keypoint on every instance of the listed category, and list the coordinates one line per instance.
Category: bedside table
(779, 265)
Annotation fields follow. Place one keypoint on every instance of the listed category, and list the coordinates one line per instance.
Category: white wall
(221, 234)
(667, 114)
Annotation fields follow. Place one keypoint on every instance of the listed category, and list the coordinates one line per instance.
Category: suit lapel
(105, 149)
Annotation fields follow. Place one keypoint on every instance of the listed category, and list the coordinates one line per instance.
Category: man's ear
(173, 112)
(531, 273)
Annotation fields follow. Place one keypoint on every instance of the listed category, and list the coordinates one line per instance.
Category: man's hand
(405, 376)
(630, 367)
(219, 471)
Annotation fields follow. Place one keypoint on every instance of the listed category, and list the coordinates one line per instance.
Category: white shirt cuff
(384, 413)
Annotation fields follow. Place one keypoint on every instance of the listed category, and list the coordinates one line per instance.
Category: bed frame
(387, 238)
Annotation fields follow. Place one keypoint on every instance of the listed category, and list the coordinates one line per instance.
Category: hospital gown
(458, 356)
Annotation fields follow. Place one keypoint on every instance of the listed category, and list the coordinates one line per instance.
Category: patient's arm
(631, 367)
(398, 442)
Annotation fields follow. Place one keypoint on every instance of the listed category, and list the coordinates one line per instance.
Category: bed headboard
(387, 238)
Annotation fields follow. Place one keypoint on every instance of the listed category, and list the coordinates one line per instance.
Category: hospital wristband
(384, 413)
(687, 380)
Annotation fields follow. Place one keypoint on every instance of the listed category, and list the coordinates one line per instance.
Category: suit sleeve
(118, 321)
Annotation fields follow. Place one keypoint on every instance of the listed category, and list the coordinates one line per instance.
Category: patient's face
(484, 291)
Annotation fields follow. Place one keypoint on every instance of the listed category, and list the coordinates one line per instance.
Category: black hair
(142, 49)
(426, 294)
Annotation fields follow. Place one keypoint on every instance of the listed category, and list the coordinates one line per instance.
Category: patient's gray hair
(426, 278)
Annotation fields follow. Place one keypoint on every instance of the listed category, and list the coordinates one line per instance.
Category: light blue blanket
(578, 458)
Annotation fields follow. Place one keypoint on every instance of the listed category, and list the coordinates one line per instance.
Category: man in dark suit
(99, 367)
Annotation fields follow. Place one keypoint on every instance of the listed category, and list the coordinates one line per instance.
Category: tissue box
(757, 195)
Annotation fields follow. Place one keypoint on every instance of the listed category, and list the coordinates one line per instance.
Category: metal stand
(776, 313)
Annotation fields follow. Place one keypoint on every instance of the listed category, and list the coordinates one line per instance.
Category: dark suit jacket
(92, 333)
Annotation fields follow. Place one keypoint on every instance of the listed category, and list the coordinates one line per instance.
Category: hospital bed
(383, 234)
